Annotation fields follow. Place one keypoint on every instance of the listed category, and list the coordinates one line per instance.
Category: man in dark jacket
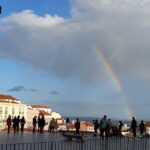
(34, 122)
(22, 123)
(142, 128)
(18, 122)
(133, 126)
(14, 124)
(9, 123)
(77, 126)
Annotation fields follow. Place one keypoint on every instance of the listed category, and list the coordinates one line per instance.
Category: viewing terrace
(46, 141)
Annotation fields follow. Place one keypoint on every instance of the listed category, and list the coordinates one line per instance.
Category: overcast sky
(49, 55)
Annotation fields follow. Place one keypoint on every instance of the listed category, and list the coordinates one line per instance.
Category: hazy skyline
(51, 52)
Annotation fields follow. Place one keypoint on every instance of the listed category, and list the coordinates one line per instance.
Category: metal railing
(87, 144)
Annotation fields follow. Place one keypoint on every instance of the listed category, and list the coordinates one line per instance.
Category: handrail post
(14, 146)
(51, 146)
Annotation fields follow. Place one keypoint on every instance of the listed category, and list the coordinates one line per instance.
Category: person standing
(103, 127)
(51, 125)
(67, 124)
(9, 123)
(96, 126)
(38, 123)
(17, 123)
(42, 124)
(120, 128)
(133, 126)
(142, 128)
(34, 122)
(22, 123)
(77, 126)
(14, 124)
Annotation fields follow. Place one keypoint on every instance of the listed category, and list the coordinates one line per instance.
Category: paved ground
(28, 137)
(89, 143)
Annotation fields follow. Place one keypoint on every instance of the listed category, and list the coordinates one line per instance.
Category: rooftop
(8, 99)
(39, 106)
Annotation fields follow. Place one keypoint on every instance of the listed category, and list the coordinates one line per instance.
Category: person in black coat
(38, 123)
(42, 124)
(142, 128)
(18, 122)
(22, 123)
(34, 122)
(14, 124)
(96, 126)
(133, 126)
(77, 126)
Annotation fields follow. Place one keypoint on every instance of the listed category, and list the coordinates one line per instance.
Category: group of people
(15, 122)
(106, 127)
(37, 122)
(40, 124)
(40, 121)
(77, 125)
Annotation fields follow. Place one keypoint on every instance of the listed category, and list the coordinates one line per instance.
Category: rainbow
(109, 69)
(104, 61)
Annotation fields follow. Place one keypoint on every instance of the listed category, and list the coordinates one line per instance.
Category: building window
(19, 111)
(1, 110)
(13, 111)
(22, 111)
(6, 110)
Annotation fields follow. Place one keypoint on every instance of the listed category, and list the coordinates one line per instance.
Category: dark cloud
(33, 90)
(69, 48)
(54, 93)
(17, 89)
(21, 88)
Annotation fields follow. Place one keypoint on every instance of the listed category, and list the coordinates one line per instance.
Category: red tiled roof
(7, 97)
(39, 106)
(42, 112)
(147, 124)
(87, 124)
(12, 102)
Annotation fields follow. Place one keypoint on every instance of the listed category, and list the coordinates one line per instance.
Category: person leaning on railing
(77, 126)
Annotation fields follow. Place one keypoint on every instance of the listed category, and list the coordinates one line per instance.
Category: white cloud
(65, 47)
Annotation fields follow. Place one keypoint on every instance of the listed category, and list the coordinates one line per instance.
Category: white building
(10, 106)
(47, 112)
(42, 108)
(55, 115)
(86, 126)
(31, 113)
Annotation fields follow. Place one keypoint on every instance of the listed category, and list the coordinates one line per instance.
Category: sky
(79, 57)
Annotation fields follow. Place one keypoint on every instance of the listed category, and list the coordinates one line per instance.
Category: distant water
(91, 119)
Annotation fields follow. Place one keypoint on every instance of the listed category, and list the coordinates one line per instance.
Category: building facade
(10, 106)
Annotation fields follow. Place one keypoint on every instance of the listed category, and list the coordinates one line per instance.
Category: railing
(87, 144)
